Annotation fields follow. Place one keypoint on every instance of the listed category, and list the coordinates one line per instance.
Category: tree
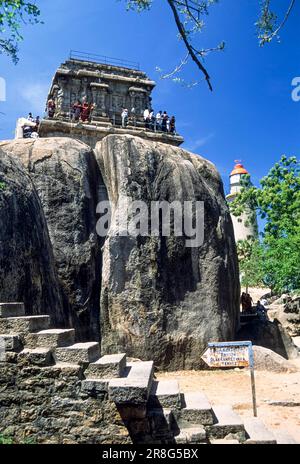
(250, 256)
(14, 13)
(189, 18)
(277, 202)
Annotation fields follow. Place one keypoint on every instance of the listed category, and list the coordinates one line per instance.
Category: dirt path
(232, 387)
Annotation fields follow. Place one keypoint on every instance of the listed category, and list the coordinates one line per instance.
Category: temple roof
(238, 169)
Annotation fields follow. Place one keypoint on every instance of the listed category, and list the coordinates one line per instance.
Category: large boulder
(287, 310)
(69, 184)
(268, 360)
(27, 269)
(162, 299)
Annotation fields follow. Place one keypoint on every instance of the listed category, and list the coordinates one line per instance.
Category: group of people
(31, 126)
(160, 121)
(82, 111)
(248, 307)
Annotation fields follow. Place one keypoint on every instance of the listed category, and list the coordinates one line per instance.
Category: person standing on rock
(158, 121)
(124, 117)
(147, 117)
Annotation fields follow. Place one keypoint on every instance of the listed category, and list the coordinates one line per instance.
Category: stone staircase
(154, 412)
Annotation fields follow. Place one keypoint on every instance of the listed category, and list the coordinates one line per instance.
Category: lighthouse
(245, 226)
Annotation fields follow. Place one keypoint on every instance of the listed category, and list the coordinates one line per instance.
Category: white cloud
(194, 144)
(35, 94)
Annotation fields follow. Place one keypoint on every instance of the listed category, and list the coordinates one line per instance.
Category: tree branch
(189, 47)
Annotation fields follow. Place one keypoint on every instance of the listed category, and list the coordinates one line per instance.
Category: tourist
(85, 110)
(243, 302)
(249, 302)
(124, 116)
(37, 122)
(147, 118)
(164, 122)
(168, 124)
(30, 117)
(76, 111)
(158, 121)
(172, 125)
(261, 310)
(51, 108)
(133, 116)
(152, 120)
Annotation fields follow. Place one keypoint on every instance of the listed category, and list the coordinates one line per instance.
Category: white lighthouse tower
(244, 226)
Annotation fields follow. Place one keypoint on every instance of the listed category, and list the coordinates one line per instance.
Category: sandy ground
(233, 387)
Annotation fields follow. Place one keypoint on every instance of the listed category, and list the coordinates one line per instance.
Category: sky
(249, 116)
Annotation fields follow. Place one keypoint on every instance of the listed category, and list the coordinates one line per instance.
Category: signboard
(223, 355)
(232, 354)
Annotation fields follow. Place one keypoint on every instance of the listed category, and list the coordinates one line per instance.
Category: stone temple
(109, 88)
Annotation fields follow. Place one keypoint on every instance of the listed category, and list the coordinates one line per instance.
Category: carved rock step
(12, 309)
(51, 338)
(108, 366)
(37, 357)
(197, 409)
(227, 422)
(79, 353)
(257, 433)
(135, 388)
(165, 394)
(191, 435)
(24, 325)
(10, 342)
(94, 387)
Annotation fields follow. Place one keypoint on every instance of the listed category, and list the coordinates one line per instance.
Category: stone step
(12, 309)
(197, 409)
(257, 433)
(109, 366)
(10, 342)
(191, 435)
(24, 324)
(51, 338)
(165, 394)
(226, 423)
(224, 442)
(135, 388)
(79, 353)
(94, 387)
(284, 438)
(37, 357)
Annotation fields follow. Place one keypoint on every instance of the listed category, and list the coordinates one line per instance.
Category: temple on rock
(104, 88)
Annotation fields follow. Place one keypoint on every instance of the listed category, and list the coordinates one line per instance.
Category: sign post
(232, 354)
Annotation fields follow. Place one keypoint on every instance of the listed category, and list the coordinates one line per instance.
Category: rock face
(27, 269)
(162, 299)
(268, 360)
(287, 310)
(271, 335)
(69, 184)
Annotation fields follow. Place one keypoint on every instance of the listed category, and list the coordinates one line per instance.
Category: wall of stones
(46, 405)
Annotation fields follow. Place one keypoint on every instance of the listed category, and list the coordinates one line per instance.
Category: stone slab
(79, 353)
(108, 366)
(10, 342)
(191, 435)
(12, 309)
(196, 408)
(135, 388)
(257, 432)
(52, 338)
(224, 442)
(284, 438)
(24, 324)
(37, 357)
(165, 394)
(94, 386)
(227, 422)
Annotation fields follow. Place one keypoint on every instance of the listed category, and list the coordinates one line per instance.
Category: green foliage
(250, 256)
(13, 14)
(6, 440)
(2, 186)
(277, 201)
